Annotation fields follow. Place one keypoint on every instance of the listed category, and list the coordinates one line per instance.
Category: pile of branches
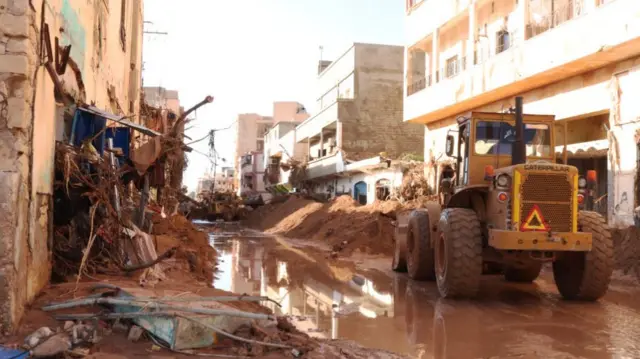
(88, 218)
(414, 184)
(298, 175)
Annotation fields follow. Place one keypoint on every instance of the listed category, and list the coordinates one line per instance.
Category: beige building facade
(359, 100)
(575, 59)
(251, 129)
(38, 92)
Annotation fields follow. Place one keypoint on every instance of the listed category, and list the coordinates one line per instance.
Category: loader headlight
(582, 182)
(503, 181)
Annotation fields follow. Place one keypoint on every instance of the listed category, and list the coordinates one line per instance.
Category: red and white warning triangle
(535, 221)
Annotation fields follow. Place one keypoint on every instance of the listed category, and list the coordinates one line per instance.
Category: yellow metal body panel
(539, 241)
(515, 211)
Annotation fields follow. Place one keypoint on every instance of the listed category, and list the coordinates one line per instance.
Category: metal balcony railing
(541, 20)
(419, 83)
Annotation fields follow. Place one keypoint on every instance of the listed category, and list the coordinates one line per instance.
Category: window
(452, 66)
(260, 145)
(497, 138)
(503, 41)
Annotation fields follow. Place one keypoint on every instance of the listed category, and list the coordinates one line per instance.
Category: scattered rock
(55, 345)
(37, 337)
(135, 333)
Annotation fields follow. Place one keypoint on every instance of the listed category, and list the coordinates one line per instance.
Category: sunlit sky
(250, 53)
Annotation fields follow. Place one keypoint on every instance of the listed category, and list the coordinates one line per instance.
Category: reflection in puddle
(508, 321)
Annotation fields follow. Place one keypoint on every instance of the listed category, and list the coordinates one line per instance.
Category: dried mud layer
(342, 224)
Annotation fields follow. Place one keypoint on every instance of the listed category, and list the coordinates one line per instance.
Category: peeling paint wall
(104, 70)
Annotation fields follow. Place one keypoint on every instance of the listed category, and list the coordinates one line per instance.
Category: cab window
(497, 138)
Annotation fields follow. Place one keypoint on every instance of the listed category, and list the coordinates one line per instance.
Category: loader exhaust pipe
(519, 150)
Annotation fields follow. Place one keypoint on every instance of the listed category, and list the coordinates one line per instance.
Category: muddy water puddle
(389, 311)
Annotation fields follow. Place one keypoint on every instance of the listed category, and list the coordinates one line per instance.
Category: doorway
(360, 192)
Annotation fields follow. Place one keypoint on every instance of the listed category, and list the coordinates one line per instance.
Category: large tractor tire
(459, 253)
(399, 262)
(420, 256)
(523, 275)
(586, 275)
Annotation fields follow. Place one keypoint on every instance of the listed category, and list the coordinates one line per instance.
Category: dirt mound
(270, 215)
(341, 223)
(193, 244)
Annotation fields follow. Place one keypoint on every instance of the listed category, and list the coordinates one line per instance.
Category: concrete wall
(372, 122)
(103, 71)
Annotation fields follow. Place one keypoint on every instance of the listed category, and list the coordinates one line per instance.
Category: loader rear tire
(399, 263)
(459, 253)
(420, 256)
(523, 275)
(586, 275)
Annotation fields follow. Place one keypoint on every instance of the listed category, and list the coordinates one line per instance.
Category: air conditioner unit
(331, 141)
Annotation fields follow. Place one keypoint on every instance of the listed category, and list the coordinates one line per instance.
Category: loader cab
(485, 141)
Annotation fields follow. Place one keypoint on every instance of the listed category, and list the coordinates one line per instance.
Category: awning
(590, 149)
(121, 120)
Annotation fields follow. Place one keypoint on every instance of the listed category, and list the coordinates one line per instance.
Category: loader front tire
(459, 253)
(586, 275)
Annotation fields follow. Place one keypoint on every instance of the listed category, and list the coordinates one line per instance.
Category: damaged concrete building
(54, 54)
(575, 59)
(359, 123)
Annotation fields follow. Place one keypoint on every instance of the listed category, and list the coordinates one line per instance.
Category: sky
(248, 54)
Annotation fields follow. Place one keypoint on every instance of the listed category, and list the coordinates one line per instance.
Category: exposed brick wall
(372, 122)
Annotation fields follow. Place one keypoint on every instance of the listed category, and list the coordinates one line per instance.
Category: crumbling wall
(22, 269)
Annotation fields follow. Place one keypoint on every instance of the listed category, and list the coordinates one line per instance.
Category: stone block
(18, 7)
(17, 113)
(17, 64)
(3, 48)
(8, 207)
(19, 46)
(12, 25)
(4, 5)
(8, 153)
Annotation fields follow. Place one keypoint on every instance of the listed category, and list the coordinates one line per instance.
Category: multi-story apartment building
(99, 48)
(280, 147)
(575, 59)
(221, 181)
(159, 97)
(251, 175)
(251, 129)
(359, 100)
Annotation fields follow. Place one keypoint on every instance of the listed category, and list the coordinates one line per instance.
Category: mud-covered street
(361, 299)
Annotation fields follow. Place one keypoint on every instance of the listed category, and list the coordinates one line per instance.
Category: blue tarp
(6, 353)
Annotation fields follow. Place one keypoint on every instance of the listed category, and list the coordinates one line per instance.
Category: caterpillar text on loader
(505, 207)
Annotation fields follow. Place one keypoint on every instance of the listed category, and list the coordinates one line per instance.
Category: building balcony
(313, 126)
(430, 15)
(325, 166)
(580, 43)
